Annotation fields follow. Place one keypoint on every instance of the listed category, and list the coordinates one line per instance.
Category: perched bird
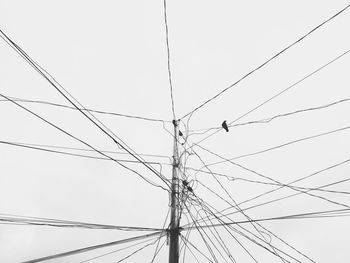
(180, 133)
(224, 125)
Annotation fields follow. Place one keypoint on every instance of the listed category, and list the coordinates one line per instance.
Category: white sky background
(111, 55)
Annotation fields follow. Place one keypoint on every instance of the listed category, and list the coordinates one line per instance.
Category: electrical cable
(201, 235)
(244, 235)
(163, 227)
(269, 60)
(278, 94)
(89, 248)
(115, 251)
(86, 109)
(245, 249)
(138, 250)
(235, 238)
(73, 154)
(57, 86)
(286, 185)
(236, 205)
(282, 145)
(282, 198)
(200, 252)
(218, 239)
(85, 143)
(86, 149)
(269, 119)
(18, 219)
(321, 214)
(233, 179)
(168, 58)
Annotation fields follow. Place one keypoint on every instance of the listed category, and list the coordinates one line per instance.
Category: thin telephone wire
(279, 93)
(168, 58)
(269, 60)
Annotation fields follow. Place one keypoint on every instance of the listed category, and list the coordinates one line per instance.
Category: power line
(85, 109)
(85, 149)
(115, 251)
(138, 250)
(57, 87)
(86, 144)
(269, 119)
(195, 223)
(163, 227)
(35, 221)
(289, 184)
(160, 248)
(237, 206)
(168, 58)
(281, 198)
(201, 235)
(279, 93)
(205, 206)
(281, 145)
(266, 62)
(249, 238)
(233, 179)
(195, 247)
(230, 196)
(321, 214)
(218, 239)
(86, 249)
(74, 154)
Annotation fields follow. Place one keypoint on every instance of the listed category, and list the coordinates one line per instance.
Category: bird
(224, 125)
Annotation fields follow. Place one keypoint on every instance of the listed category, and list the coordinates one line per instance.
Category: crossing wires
(267, 61)
(74, 102)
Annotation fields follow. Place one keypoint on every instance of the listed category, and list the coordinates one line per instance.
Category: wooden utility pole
(174, 216)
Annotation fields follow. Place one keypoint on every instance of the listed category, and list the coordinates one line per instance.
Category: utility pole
(174, 215)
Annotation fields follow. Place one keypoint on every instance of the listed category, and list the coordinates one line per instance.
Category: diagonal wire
(319, 214)
(200, 233)
(58, 87)
(115, 251)
(283, 198)
(195, 247)
(267, 61)
(206, 205)
(86, 249)
(86, 149)
(269, 119)
(85, 143)
(278, 94)
(287, 185)
(163, 227)
(231, 178)
(138, 250)
(72, 154)
(86, 109)
(236, 205)
(282, 145)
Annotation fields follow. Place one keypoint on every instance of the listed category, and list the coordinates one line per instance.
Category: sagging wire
(268, 119)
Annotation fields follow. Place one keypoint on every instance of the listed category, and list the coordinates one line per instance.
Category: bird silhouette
(224, 125)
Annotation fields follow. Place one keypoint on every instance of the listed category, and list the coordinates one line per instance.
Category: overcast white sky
(111, 56)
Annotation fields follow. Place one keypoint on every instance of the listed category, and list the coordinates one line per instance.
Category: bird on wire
(224, 125)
